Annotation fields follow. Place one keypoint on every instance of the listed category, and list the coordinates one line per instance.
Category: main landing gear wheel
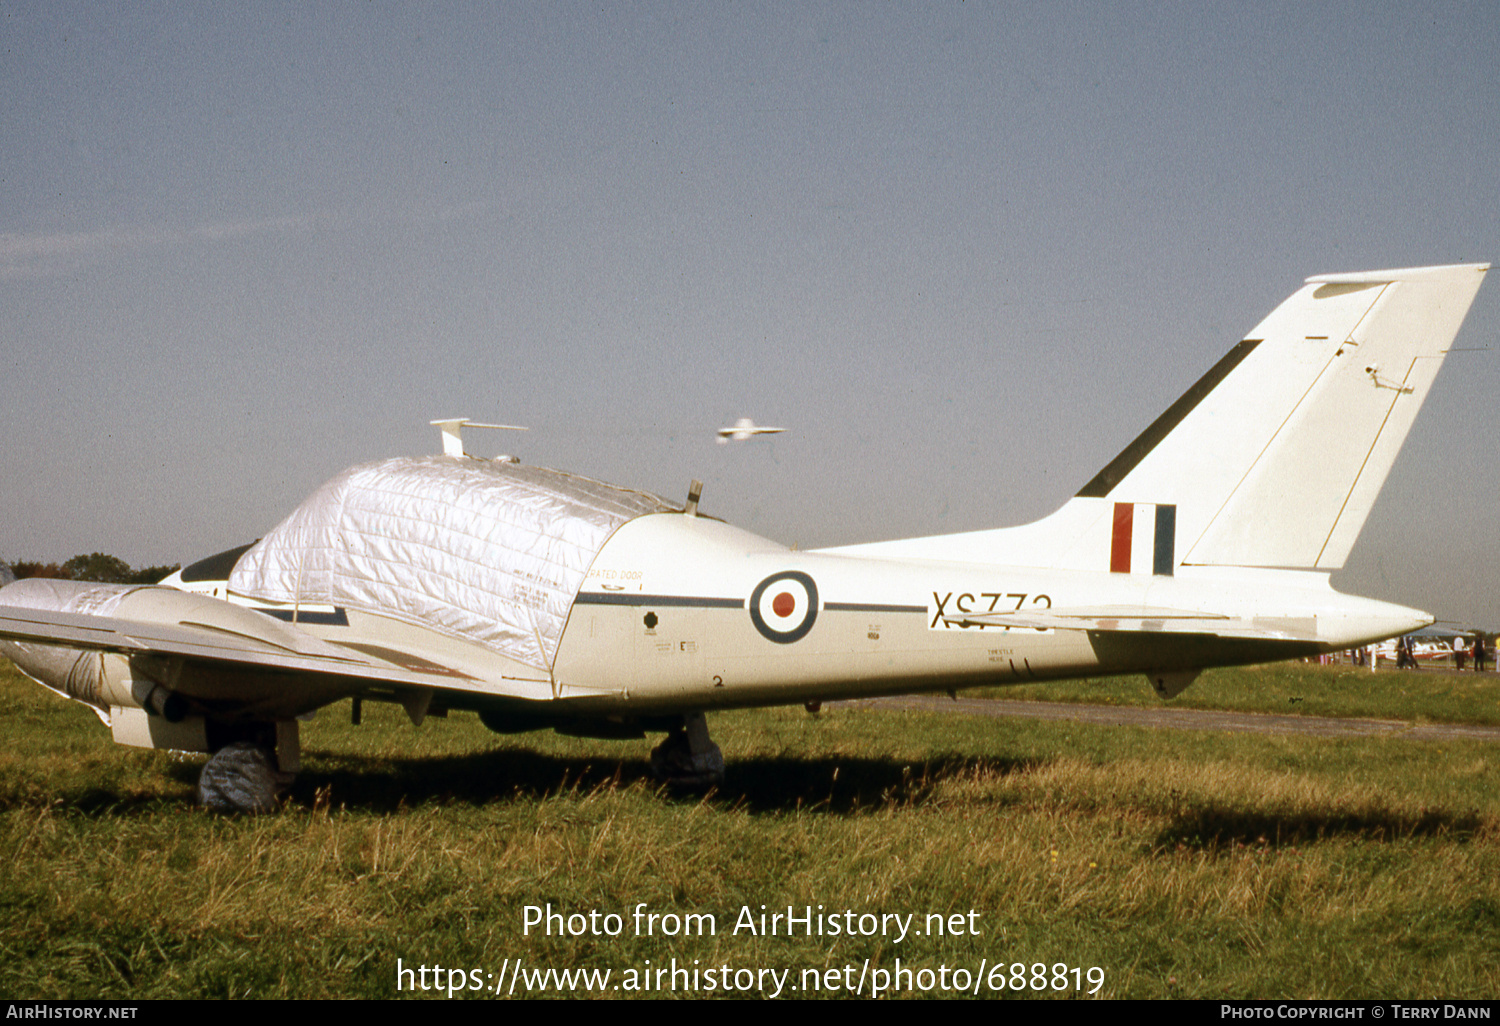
(249, 775)
(688, 758)
(242, 777)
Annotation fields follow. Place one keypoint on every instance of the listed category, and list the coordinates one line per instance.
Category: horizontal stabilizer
(1142, 620)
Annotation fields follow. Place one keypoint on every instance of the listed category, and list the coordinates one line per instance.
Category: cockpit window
(215, 568)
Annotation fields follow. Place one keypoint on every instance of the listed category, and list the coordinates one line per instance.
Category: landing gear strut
(688, 758)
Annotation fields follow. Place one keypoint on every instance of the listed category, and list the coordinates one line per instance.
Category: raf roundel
(784, 606)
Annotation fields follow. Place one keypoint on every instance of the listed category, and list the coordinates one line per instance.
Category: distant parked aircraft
(1429, 643)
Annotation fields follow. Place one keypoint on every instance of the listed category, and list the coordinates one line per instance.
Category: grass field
(1428, 695)
(1181, 864)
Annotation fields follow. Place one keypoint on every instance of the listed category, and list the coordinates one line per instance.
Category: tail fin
(1274, 457)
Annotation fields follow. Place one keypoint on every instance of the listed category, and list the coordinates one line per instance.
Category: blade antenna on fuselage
(453, 442)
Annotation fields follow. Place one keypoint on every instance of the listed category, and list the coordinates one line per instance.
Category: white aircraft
(1428, 644)
(743, 429)
(539, 599)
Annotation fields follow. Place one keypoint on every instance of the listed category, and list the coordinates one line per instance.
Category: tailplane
(1274, 457)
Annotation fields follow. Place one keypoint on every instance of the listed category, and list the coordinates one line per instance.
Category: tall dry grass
(1183, 864)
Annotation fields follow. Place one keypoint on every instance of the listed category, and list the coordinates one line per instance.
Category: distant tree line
(96, 566)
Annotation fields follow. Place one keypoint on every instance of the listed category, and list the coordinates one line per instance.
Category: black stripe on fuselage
(871, 607)
(604, 598)
(1123, 464)
(598, 598)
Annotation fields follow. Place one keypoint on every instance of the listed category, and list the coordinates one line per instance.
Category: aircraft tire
(242, 777)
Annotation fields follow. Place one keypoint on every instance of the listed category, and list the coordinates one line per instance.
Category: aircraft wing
(291, 651)
(1145, 620)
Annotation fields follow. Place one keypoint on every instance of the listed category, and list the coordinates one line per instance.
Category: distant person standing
(1478, 653)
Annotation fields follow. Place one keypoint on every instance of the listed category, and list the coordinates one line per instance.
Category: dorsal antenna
(453, 442)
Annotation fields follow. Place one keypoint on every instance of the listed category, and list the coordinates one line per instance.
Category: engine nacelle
(152, 701)
(97, 679)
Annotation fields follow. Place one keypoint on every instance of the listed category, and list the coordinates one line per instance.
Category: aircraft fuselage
(688, 613)
(681, 611)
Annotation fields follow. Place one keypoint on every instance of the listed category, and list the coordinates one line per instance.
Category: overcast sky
(963, 252)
